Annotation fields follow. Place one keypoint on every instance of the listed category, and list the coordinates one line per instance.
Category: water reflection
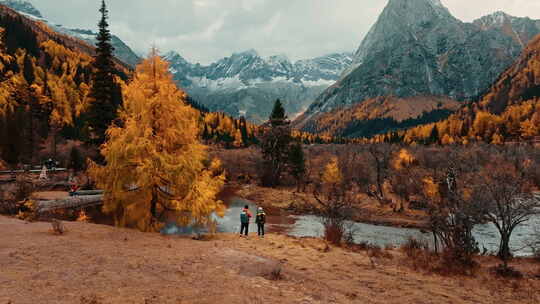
(486, 235)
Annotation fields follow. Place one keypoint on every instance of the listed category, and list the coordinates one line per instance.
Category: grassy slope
(125, 266)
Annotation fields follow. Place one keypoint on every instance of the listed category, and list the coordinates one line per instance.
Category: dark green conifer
(278, 116)
(297, 163)
(434, 136)
(105, 92)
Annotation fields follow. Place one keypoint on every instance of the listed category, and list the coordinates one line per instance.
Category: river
(310, 226)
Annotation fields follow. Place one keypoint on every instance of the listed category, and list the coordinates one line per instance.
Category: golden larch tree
(332, 173)
(155, 164)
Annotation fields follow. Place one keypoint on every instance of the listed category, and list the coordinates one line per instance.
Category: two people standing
(260, 220)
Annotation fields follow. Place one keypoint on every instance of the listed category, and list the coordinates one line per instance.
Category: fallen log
(87, 192)
(75, 202)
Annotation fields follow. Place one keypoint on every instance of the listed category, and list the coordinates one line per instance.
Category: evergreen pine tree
(275, 145)
(278, 118)
(297, 163)
(28, 69)
(244, 131)
(105, 92)
(434, 136)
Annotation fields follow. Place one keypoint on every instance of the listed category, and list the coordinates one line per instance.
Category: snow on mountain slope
(122, 51)
(246, 84)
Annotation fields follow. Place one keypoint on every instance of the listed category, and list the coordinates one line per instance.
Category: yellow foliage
(403, 160)
(332, 173)
(447, 140)
(431, 189)
(497, 139)
(154, 159)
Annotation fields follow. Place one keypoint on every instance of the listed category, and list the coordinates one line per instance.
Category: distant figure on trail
(43, 174)
(244, 220)
(73, 189)
(260, 219)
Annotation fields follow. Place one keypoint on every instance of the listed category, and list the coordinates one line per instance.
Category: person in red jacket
(244, 220)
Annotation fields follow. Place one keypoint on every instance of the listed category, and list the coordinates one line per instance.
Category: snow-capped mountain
(22, 7)
(246, 84)
(122, 51)
(417, 48)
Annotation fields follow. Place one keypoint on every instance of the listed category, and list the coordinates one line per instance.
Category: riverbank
(369, 212)
(102, 264)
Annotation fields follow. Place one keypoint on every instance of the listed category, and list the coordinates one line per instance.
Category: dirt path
(110, 265)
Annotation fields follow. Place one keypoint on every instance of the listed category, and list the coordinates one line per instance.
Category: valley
(405, 172)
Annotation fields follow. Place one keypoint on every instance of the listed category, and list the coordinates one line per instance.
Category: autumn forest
(118, 162)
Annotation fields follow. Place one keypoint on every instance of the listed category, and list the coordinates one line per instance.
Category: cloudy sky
(207, 30)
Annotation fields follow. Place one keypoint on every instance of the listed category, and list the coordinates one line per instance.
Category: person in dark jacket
(244, 221)
(260, 219)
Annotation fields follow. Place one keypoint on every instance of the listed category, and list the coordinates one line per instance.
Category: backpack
(261, 218)
(244, 218)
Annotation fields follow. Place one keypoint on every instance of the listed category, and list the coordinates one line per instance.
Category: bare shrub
(12, 199)
(422, 258)
(334, 231)
(412, 245)
(507, 197)
(448, 265)
(276, 273)
(418, 255)
(58, 227)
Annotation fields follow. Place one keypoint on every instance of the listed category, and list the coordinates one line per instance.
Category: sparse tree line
(457, 187)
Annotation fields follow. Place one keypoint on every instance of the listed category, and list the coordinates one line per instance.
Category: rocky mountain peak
(405, 20)
(247, 53)
(22, 7)
(495, 20)
(427, 8)
(417, 48)
(173, 56)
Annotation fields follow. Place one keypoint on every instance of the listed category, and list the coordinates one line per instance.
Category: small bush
(334, 233)
(58, 227)
(276, 273)
(412, 246)
(452, 264)
(422, 258)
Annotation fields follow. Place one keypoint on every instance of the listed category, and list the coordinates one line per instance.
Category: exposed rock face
(22, 7)
(246, 84)
(121, 50)
(417, 48)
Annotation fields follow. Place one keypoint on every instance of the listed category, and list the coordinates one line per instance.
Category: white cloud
(206, 30)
